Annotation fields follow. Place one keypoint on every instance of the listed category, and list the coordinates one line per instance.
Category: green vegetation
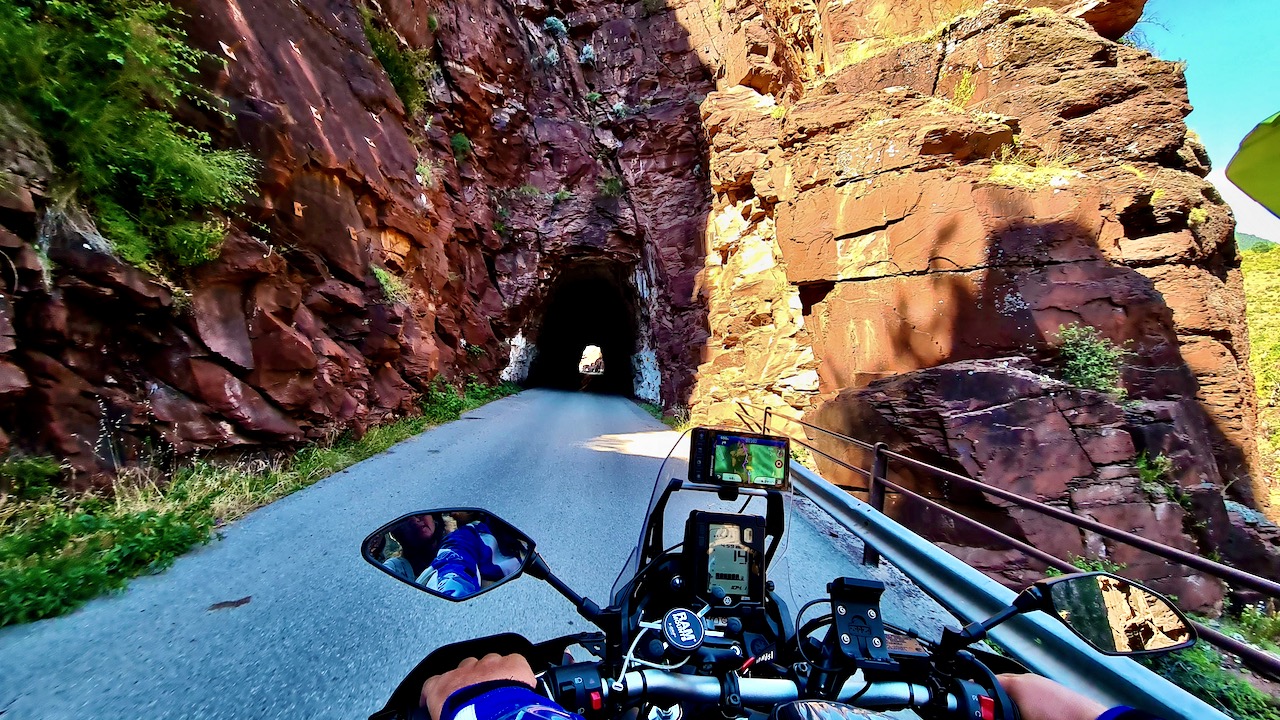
(555, 26)
(1260, 627)
(560, 196)
(1262, 294)
(461, 145)
(1018, 169)
(777, 112)
(1199, 670)
(57, 552)
(1090, 360)
(677, 419)
(800, 454)
(1253, 243)
(529, 190)
(98, 79)
(612, 187)
(433, 22)
(426, 173)
(964, 91)
(1154, 476)
(551, 57)
(593, 97)
(621, 110)
(408, 70)
(1084, 564)
(653, 7)
(393, 288)
(27, 477)
(1198, 216)
(475, 350)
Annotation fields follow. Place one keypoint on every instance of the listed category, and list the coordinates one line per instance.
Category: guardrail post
(765, 426)
(875, 496)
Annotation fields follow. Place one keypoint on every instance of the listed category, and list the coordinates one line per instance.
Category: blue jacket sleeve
(502, 700)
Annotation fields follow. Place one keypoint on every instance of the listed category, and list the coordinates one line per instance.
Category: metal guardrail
(877, 477)
(1043, 645)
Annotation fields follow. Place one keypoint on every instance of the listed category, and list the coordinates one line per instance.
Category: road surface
(323, 634)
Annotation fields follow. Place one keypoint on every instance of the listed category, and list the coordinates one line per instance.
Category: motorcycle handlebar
(660, 685)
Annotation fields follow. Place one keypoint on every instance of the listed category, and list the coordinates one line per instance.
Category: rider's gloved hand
(1039, 698)
(490, 669)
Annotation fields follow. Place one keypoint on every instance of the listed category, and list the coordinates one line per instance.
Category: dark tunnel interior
(589, 304)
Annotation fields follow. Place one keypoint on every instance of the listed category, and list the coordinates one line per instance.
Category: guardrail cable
(1260, 660)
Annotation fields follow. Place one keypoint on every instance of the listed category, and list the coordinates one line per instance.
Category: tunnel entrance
(588, 305)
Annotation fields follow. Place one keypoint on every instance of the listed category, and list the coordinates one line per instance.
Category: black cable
(809, 627)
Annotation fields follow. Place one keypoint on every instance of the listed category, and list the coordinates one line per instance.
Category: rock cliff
(823, 208)
(957, 181)
(388, 245)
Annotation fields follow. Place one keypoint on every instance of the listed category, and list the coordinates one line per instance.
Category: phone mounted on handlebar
(736, 458)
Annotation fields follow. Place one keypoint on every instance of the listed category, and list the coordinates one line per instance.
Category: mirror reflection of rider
(419, 537)
(470, 557)
(497, 687)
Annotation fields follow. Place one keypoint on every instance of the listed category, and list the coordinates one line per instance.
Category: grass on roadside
(58, 551)
(677, 419)
(1200, 671)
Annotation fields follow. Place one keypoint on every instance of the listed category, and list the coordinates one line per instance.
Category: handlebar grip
(659, 685)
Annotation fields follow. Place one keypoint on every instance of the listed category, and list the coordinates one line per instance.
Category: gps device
(726, 557)
(739, 459)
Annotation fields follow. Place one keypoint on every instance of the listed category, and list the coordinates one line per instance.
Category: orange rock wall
(906, 249)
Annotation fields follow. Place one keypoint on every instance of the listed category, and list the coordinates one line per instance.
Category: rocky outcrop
(1008, 425)
(957, 181)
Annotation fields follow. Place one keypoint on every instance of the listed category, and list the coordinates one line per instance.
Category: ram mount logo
(683, 629)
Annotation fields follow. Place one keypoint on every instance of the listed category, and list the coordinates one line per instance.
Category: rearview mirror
(453, 553)
(1118, 617)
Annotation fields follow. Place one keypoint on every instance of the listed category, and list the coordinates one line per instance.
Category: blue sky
(1232, 49)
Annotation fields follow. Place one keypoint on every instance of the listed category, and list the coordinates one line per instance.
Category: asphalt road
(324, 635)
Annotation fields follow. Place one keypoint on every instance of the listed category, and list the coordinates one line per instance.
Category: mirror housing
(454, 553)
(1116, 616)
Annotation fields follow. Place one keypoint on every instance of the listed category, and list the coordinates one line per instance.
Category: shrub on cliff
(1090, 360)
(408, 70)
(555, 26)
(98, 79)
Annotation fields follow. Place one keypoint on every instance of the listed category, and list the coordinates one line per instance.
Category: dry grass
(1021, 169)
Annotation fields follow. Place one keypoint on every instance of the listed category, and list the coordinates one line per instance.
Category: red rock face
(289, 335)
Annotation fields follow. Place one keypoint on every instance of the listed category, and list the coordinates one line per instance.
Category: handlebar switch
(858, 625)
(577, 686)
(972, 701)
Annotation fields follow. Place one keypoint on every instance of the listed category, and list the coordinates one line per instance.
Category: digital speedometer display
(728, 558)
